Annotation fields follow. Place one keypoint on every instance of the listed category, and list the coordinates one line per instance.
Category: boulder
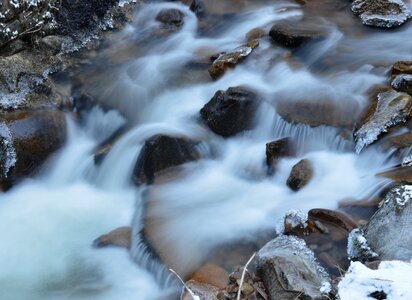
(389, 230)
(231, 112)
(403, 83)
(293, 34)
(27, 139)
(171, 19)
(399, 174)
(300, 175)
(391, 108)
(278, 149)
(381, 13)
(228, 60)
(161, 152)
(120, 237)
(290, 271)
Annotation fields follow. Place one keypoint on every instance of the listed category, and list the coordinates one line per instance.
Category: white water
(48, 224)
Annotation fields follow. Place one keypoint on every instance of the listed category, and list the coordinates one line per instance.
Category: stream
(157, 85)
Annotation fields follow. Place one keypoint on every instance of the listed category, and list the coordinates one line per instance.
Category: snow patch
(392, 277)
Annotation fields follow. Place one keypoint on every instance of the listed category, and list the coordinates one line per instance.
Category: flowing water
(158, 85)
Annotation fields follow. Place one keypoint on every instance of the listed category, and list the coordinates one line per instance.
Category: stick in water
(185, 286)
(243, 275)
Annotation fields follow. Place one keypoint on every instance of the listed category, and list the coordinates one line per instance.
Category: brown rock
(401, 141)
(230, 59)
(402, 67)
(211, 274)
(120, 237)
(171, 19)
(293, 34)
(255, 34)
(399, 174)
(278, 149)
(300, 175)
(161, 152)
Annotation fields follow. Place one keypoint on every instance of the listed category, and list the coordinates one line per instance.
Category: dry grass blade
(185, 286)
(239, 292)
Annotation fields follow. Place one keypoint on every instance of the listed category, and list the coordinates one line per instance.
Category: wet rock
(211, 274)
(120, 237)
(255, 34)
(389, 230)
(292, 34)
(278, 149)
(27, 139)
(171, 19)
(289, 270)
(402, 67)
(161, 152)
(316, 113)
(228, 60)
(391, 108)
(51, 44)
(13, 47)
(202, 290)
(325, 232)
(399, 174)
(252, 287)
(198, 7)
(231, 112)
(401, 141)
(403, 83)
(300, 175)
(381, 13)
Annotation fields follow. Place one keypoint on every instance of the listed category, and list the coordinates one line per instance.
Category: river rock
(278, 149)
(290, 271)
(300, 175)
(381, 13)
(391, 108)
(120, 237)
(171, 19)
(228, 60)
(399, 174)
(161, 152)
(198, 7)
(211, 274)
(389, 230)
(27, 139)
(231, 112)
(403, 83)
(292, 34)
(401, 141)
(402, 67)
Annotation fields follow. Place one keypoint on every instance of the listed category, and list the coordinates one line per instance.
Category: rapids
(47, 224)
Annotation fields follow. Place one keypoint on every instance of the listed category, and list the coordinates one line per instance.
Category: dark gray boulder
(300, 175)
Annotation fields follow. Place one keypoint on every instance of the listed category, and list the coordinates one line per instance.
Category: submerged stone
(292, 35)
(381, 13)
(390, 109)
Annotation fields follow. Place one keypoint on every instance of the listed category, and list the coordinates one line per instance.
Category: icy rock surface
(7, 151)
(389, 230)
(289, 270)
(392, 278)
(358, 248)
(392, 108)
(381, 13)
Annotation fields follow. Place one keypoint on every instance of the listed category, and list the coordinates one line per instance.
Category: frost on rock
(125, 2)
(381, 13)
(392, 108)
(407, 161)
(7, 151)
(293, 219)
(403, 83)
(289, 268)
(391, 278)
(401, 195)
(358, 248)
